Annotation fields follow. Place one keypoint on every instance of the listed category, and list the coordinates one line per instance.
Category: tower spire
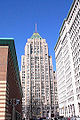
(35, 28)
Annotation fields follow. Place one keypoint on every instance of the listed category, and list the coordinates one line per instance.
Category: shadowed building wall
(10, 86)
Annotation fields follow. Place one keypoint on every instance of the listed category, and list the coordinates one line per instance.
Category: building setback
(67, 53)
(37, 78)
(10, 86)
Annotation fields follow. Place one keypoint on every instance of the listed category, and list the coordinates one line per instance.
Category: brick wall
(9, 88)
(3, 82)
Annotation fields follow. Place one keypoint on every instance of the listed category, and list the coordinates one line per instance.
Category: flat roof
(7, 38)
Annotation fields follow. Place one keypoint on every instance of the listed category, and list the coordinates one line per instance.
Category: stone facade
(67, 53)
(37, 78)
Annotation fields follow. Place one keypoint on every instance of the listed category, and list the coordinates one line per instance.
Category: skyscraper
(37, 78)
(67, 53)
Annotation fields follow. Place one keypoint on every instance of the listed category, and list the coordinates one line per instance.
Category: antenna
(35, 28)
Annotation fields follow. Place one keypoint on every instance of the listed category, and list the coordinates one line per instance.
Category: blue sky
(17, 19)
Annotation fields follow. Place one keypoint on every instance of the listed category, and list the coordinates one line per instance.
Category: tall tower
(37, 88)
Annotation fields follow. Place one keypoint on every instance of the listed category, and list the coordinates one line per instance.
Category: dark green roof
(36, 35)
(10, 42)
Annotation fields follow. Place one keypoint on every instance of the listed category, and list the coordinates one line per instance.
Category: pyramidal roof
(36, 35)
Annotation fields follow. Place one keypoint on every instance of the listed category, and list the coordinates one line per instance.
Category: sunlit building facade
(37, 78)
(67, 53)
(22, 75)
(55, 96)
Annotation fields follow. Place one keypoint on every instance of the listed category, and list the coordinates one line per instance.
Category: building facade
(37, 78)
(10, 86)
(22, 76)
(55, 94)
(67, 53)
